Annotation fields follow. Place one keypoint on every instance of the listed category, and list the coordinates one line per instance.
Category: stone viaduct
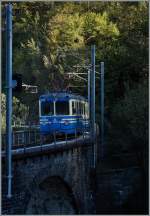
(50, 179)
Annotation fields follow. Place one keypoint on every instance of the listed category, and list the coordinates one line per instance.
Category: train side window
(80, 108)
(77, 105)
(84, 109)
(47, 108)
(73, 108)
(87, 110)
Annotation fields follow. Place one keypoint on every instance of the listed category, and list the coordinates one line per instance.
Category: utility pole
(92, 101)
(102, 109)
(9, 97)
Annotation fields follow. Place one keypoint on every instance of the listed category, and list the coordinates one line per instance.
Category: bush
(130, 119)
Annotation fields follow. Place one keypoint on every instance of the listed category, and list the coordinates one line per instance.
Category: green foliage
(66, 30)
(38, 40)
(132, 111)
(130, 118)
(19, 115)
(99, 27)
(51, 38)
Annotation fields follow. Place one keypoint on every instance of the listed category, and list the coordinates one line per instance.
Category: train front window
(62, 108)
(47, 108)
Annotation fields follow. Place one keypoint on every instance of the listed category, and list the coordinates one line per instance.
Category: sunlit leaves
(66, 30)
(98, 25)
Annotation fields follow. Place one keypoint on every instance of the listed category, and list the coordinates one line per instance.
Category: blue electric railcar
(63, 113)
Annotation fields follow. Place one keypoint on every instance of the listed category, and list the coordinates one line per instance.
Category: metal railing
(23, 138)
(28, 138)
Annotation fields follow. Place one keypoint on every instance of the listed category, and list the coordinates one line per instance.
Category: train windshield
(62, 107)
(47, 108)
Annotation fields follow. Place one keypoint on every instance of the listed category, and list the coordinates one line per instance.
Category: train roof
(62, 96)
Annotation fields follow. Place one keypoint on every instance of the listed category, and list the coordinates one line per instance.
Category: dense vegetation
(20, 112)
(53, 38)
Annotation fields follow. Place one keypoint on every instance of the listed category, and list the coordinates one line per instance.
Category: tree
(19, 115)
(48, 45)
(130, 117)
